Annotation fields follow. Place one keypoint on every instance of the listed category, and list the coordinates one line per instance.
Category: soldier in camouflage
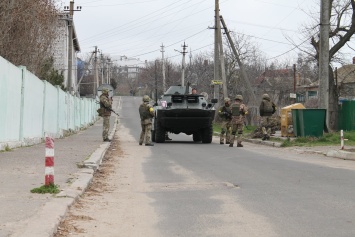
(239, 110)
(146, 113)
(106, 104)
(225, 114)
(267, 108)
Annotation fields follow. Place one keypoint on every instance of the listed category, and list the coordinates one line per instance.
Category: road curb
(346, 155)
(267, 143)
(46, 221)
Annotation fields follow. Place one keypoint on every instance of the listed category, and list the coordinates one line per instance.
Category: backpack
(267, 108)
(143, 111)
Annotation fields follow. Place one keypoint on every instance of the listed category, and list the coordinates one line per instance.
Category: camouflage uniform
(106, 103)
(267, 109)
(226, 115)
(239, 110)
(146, 113)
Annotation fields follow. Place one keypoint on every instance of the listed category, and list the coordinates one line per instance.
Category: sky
(137, 28)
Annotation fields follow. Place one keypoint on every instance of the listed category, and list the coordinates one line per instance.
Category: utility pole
(183, 63)
(96, 77)
(219, 67)
(241, 65)
(163, 67)
(294, 82)
(324, 58)
(70, 43)
(82, 76)
(102, 68)
(216, 47)
(108, 70)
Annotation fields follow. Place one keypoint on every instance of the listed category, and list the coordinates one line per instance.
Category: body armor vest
(143, 111)
(236, 109)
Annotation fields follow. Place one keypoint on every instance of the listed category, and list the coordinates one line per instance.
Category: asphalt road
(182, 188)
(200, 188)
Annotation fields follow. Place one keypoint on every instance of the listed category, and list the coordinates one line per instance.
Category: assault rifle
(112, 111)
(109, 109)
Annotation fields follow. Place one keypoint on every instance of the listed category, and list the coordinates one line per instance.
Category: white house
(61, 50)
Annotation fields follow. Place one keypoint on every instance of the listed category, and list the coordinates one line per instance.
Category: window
(312, 94)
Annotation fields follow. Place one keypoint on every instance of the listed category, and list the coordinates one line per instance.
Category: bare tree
(27, 32)
(342, 28)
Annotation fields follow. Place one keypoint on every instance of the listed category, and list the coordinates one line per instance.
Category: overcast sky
(137, 28)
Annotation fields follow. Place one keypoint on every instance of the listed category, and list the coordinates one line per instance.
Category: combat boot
(239, 144)
(231, 145)
(264, 137)
(221, 143)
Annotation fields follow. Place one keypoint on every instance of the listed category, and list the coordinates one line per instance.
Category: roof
(269, 74)
(65, 16)
(346, 74)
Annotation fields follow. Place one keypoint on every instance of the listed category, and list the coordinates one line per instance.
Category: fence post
(341, 139)
(49, 162)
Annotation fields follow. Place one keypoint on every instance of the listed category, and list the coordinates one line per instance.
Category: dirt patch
(99, 185)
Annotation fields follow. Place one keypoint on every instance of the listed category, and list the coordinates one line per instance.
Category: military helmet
(146, 98)
(226, 100)
(266, 96)
(105, 91)
(239, 97)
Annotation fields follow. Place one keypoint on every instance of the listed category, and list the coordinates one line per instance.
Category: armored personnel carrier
(179, 111)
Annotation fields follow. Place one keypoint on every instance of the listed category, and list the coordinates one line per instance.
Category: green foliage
(7, 148)
(286, 143)
(50, 74)
(326, 140)
(52, 188)
(247, 129)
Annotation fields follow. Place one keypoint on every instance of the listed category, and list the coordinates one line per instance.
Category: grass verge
(328, 139)
(52, 188)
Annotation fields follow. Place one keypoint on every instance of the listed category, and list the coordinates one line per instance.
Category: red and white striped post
(341, 139)
(49, 170)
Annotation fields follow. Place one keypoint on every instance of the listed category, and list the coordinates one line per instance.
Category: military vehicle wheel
(196, 137)
(207, 134)
(159, 133)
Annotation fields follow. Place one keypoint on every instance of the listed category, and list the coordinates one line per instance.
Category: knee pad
(240, 132)
(223, 131)
(233, 133)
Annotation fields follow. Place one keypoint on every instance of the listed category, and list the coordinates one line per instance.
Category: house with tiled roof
(345, 78)
(281, 83)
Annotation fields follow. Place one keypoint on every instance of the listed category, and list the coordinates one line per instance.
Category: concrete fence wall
(31, 108)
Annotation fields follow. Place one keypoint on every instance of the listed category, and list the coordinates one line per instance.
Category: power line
(289, 50)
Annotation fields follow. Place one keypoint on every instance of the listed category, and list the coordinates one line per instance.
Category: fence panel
(30, 107)
(50, 109)
(10, 101)
(33, 106)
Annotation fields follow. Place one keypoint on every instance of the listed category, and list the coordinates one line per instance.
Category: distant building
(128, 67)
(280, 83)
(346, 81)
(61, 50)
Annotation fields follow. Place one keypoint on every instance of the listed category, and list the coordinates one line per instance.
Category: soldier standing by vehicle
(239, 110)
(226, 115)
(267, 109)
(106, 107)
(146, 113)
